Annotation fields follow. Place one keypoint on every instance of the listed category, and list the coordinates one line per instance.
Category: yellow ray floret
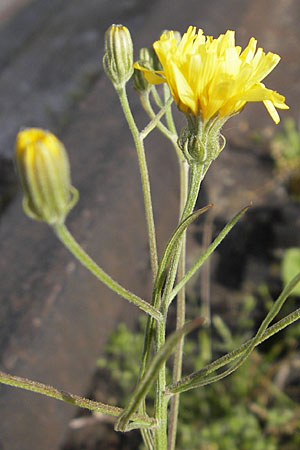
(213, 76)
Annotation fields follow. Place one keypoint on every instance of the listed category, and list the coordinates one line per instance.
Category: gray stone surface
(54, 316)
(50, 53)
(9, 8)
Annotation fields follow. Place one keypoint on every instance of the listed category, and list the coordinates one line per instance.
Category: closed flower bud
(140, 83)
(192, 147)
(118, 58)
(199, 143)
(148, 59)
(43, 167)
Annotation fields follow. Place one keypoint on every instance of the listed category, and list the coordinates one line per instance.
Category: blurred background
(56, 320)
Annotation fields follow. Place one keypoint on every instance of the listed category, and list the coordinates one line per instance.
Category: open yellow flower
(213, 77)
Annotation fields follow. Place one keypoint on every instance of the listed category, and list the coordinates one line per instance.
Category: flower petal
(152, 76)
(213, 76)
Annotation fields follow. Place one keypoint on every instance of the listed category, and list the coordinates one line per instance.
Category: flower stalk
(67, 239)
(180, 313)
(139, 144)
(161, 401)
(50, 391)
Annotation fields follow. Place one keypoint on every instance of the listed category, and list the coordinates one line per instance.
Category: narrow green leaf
(208, 252)
(202, 378)
(50, 391)
(185, 383)
(160, 277)
(171, 245)
(151, 373)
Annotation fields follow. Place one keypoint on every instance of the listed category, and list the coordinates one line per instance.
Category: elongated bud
(139, 81)
(148, 59)
(118, 58)
(43, 167)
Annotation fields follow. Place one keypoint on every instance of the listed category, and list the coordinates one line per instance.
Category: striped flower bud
(149, 60)
(43, 167)
(118, 58)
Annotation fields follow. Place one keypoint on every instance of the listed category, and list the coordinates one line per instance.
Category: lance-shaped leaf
(171, 245)
(160, 277)
(138, 420)
(202, 378)
(208, 252)
(151, 373)
(185, 383)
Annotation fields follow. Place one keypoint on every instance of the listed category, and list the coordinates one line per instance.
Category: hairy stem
(82, 402)
(67, 239)
(180, 317)
(161, 403)
(144, 178)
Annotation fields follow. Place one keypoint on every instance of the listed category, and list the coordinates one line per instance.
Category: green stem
(67, 239)
(161, 401)
(144, 178)
(171, 135)
(145, 384)
(197, 171)
(156, 97)
(205, 275)
(82, 402)
(180, 317)
(156, 120)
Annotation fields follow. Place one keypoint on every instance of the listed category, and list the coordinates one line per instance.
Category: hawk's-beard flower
(213, 77)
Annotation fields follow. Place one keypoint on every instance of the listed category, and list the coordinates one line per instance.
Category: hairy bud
(43, 167)
(118, 58)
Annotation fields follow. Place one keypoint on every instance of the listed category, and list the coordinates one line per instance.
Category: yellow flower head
(43, 167)
(213, 77)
